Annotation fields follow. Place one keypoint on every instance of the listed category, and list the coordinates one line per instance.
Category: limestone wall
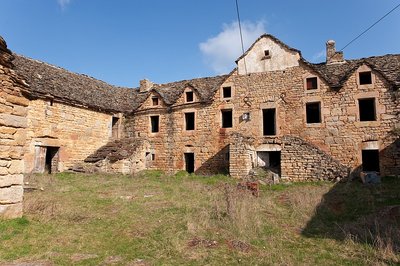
(77, 132)
(13, 110)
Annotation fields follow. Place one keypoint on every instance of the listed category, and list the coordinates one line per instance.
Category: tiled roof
(46, 80)
(336, 74)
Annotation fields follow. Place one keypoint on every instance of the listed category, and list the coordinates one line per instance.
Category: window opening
(370, 160)
(312, 83)
(367, 109)
(313, 113)
(114, 127)
(227, 120)
(365, 77)
(190, 121)
(189, 96)
(269, 122)
(155, 121)
(154, 101)
(189, 162)
(227, 92)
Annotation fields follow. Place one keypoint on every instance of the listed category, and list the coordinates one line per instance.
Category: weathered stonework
(13, 122)
(209, 125)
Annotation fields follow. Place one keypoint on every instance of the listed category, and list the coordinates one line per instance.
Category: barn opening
(269, 122)
(270, 160)
(226, 117)
(46, 159)
(155, 120)
(189, 162)
(370, 160)
(313, 113)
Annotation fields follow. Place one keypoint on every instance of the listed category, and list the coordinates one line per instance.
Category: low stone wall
(13, 110)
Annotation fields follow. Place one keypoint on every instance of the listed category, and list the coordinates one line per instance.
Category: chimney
(331, 55)
(145, 85)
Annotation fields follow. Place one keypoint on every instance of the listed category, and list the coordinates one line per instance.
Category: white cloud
(221, 51)
(63, 3)
(318, 56)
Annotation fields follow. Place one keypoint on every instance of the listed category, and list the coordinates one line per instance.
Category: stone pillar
(331, 55)
(241, 156)
(13, 123)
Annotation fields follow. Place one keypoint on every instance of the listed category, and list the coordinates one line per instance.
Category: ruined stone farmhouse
(276, 110)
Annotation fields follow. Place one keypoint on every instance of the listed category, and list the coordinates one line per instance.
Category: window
(313, 113)
(189, 96)
(367, 109)
(227, 121)
(153, 157)
(155, 121)
(154, 101)
(269, 122)
(312, 83)
(365, 77)
(114, 127)
(266, 53)
(226, 92)
(189, 121)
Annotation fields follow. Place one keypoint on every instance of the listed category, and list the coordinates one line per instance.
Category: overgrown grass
(156, 219)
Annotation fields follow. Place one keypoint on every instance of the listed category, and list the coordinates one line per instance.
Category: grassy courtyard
(154, 219)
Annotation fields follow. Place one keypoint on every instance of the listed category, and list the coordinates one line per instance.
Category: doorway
(189, 162)
(370, 160)
(46, 159)
(270, 160)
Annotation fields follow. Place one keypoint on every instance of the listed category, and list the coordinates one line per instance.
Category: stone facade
(275, 110)
(13, 123)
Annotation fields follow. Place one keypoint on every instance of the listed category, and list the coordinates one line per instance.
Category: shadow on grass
(368, 214)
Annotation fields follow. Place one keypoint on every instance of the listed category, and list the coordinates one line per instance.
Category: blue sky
(123, 41)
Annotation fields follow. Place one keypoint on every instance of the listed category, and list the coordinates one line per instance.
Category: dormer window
(365, 78)
(227, 92)
(312, 83)
(189, 96)
(154, 101)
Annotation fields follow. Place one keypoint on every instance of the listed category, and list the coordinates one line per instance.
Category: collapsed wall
(299, 160)
(13, 121)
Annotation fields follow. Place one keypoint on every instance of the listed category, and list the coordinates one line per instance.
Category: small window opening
(365, 77)
(189, 121)
(155, 121)
(312, 83)
(51, 102)
(313, 113)
(189, 96)
(227, 92)
(114, 127)
(370, 160)
(153, 156)
(227, 120)
(367, 109)
(154, 101)
(266, 53)
(269, 122)
(189, 162)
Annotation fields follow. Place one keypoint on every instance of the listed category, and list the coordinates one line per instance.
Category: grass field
(154, 219)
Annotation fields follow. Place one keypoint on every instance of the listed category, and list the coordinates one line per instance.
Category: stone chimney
(331, 55)
(6, 55)
(145, 85)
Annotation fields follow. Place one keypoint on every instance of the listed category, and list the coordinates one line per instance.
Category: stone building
(275, 110)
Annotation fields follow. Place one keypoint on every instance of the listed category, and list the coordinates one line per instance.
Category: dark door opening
(270, 160)
(114, 127)
(189, 162)
(269, 122)
(51, 162)
(370, 160)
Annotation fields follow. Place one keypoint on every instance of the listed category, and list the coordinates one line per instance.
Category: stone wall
(13, 110)
(77, 132)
